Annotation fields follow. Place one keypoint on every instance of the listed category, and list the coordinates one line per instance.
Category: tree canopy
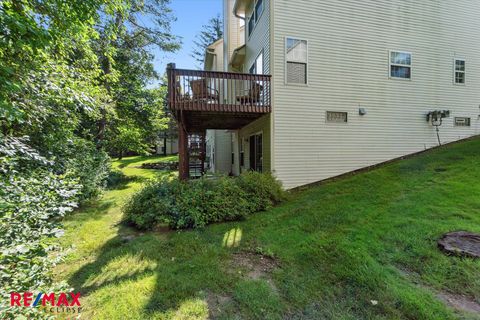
(81, 69)
(76, 83)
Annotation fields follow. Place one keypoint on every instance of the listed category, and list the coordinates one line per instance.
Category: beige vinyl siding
(259, 39)
(234, 33)
(260, 125)
(217, 57)
(218, 142)
(236, 152)
(258, 42)
(219, 151)
(348, 68)
(223, 151)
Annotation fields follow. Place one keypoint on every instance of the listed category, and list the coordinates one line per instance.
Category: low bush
(89, 166)
(33, 199)
(200, 202)
(263, 190)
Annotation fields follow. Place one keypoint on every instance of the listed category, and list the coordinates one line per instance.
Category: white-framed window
(400, 65)
(258, 9)
(337, 117)
(459, 71)
(462, 122)
(257, 66)
(296, 59)
(251, 25)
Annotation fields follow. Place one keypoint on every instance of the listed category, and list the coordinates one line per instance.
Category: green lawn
(362, 247)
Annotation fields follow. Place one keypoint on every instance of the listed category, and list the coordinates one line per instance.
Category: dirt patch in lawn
(456, 301)
(256, 266)
(217, 304)
(460, 302)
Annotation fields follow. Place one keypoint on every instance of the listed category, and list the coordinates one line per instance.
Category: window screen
(296, 60)
(400, 65)
(296, 72)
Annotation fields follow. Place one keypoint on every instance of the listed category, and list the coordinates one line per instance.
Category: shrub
(263, 190)
(200, 202)
(32, 200)
(89, 166)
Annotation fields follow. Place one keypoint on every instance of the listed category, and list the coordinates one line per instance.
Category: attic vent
(339, 117)
(462, 122)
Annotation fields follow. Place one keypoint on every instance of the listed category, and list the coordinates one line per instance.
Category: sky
(191, 16)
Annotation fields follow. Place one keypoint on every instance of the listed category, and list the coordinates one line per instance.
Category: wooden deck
(201, 100)
(217, 100)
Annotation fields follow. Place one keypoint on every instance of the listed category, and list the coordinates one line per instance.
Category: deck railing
(218, 91)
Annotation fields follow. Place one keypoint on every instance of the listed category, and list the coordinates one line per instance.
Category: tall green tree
(127, 65)
(68, 68)
(210, 33)
(46, 58)
(68, 64)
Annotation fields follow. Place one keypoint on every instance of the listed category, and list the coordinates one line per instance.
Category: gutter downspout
(235, 13)
(237, 16)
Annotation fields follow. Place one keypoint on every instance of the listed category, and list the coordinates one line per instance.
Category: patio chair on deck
(202, 91)
(180, 96)
(253, 94)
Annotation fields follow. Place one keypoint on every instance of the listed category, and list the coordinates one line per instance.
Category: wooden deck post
(203, 149)
(183, 167)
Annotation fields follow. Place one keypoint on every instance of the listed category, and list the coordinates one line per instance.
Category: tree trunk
(165, 146)
(107, 70)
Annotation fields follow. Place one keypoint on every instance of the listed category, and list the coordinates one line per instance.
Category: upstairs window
(459, 71)
(256, 14)
(296, 59)
(258, 10)
(400, 65)
(257, 66)
(251, 24)
(252, 69)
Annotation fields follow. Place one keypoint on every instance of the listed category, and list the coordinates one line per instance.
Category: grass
(338, 247)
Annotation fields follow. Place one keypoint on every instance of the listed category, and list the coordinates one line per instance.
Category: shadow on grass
(340, 241)
(121, 182)
(180, 268)
(91, 211)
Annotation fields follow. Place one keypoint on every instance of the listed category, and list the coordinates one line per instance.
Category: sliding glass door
(256, 152)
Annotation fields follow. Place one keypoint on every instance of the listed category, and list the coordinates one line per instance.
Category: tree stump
(460, 243)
